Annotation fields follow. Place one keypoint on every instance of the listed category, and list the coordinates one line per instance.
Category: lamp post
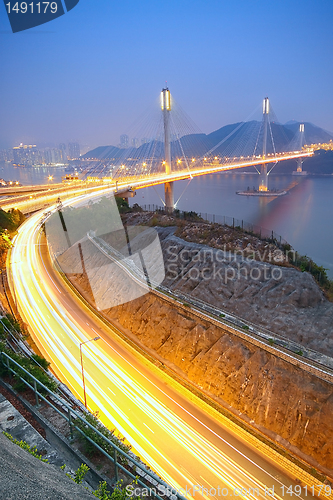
(83, 382)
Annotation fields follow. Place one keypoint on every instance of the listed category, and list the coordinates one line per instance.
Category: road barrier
(154, 482)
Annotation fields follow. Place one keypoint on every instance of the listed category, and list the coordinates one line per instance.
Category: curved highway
(182, 442)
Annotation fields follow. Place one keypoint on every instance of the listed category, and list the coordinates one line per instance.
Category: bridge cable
(189, 181)
(163, 202)
(231, 133)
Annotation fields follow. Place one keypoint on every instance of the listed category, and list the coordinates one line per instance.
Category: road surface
(183, 443)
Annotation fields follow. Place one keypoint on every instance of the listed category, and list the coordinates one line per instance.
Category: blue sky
(89, 74)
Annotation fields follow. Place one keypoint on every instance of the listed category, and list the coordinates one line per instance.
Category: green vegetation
(122, 205)
(8, 322)
(102, 492)
(119, 493)
(189, 216)
(89, 447)
(80, 473)
(9, 222)
(305, 264)
(24, 445)
(29, 364)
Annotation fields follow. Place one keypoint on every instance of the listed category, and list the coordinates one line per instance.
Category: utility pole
(82, 369)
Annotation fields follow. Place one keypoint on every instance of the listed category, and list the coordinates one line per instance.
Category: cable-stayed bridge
(175, 151)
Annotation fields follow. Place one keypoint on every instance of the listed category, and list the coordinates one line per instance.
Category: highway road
(182, 442)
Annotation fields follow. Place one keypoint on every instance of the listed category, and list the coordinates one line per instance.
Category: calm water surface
(303, 217)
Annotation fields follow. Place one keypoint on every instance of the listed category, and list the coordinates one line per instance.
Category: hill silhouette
(237, 139)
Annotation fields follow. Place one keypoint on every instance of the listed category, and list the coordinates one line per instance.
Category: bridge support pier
(168, 186)
(168, 195)
(299, 165)
(263, 186)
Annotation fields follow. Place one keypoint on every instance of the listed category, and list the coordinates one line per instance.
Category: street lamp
(84, 385)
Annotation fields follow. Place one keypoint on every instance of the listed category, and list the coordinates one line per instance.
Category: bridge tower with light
(168, 186)
(301, 144)
(263, 185)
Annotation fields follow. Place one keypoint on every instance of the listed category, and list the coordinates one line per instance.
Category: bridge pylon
(263, 185)
(301, 144)
(301, 141)
(168, 186)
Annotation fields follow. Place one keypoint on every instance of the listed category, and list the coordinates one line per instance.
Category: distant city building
(54, 156)
(321, 145)
(73, 151)
(26, 155)
(135, 142)
(145, 140)
(6, 155)
(124, 141)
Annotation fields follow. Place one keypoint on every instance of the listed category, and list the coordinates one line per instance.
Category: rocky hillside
(280, 399)
(281, 299)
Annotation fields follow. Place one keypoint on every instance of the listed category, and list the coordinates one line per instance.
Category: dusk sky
(88, 75)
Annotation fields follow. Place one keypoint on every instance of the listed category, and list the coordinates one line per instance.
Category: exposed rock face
(276, 395)
(281, 299)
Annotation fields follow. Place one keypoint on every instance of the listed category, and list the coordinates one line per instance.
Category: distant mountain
(312, 133)
(237, 139)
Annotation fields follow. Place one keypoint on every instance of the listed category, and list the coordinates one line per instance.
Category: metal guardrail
(123, 261)
(141, 469)
(268, 336)
(248, 328)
